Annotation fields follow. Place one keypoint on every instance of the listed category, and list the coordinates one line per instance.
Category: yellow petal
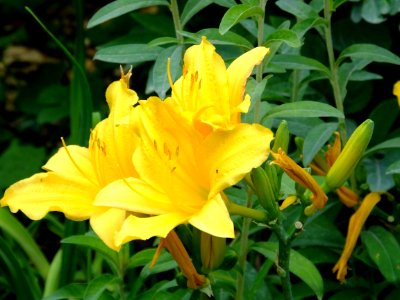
(72, 162)
(347, 196)
(396, 91)
(229, 155)
(356, 223)
(134, 195)
(107, 224)
(45, 192)
(238, 72)
(333, 151)
(147, 227)
(214, 219)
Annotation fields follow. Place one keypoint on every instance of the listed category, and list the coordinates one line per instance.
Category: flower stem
(334, 69)
(177, 21)
(284, 260)
(259, 69)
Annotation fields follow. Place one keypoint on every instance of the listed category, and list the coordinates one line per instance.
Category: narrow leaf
(315, 139)
(73, 290)
(128, 54)
(389, 144)
(299, 265)
(394, 168)
(284, 35)
(370, 52)
(290, 61)
(97, 286)
(237, 13)
(383, 249)
(120, 7)
(297, 8)
(303, 109)
(213, 35)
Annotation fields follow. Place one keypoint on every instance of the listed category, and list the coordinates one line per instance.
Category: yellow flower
(396, 91)
(76, 174)
(301, 176)
(182, 173)
(356, 223)
(209, 94)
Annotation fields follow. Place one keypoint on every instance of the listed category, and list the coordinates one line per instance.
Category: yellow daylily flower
(301, 176)
(356, 223)
(182, 173)
(210, 95)
(76, 174)
(396, 91)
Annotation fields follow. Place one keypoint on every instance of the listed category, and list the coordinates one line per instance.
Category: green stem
(244, 238)
(259, 68)
(295, 86)
(257, 215)
(177, 21)
(334, 69)
(284, 260)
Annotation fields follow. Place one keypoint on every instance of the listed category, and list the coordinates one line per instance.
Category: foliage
(330, 67)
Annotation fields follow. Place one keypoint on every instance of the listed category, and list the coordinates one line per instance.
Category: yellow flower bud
(350, 155)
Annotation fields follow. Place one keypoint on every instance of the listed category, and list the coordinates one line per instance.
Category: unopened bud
(350, 155)
(212, 250)
(282, 136)
(264, 189)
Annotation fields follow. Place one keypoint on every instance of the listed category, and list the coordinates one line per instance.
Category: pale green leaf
(284, 35)
(369, 52)
(297, 8)
(128, 54)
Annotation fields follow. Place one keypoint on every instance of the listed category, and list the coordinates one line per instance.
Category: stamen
(170, 80)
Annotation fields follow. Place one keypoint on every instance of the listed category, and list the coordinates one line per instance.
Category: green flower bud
(350, 155)
(212, 251)
(264, 188)
(282, 136)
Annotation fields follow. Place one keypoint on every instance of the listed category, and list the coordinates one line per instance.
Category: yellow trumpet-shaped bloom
(301, 176)
(76, 174)
(356, 223)
(182, 173)
(209, 94)
(396, 91)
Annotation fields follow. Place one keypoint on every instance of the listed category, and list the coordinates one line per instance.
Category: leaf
(160, 69)
(93, 242)
(225, 3)
(297, 8)
(301, 27)
(284, 35)
(389, 144)
(369, 52)
(394, 168)
(141, 258)
(377, 178)
(291, 61)
(237, 13)
(97, 286)
(128, 53)
(303, 109)
(191, 8)
(19, 162)
(315, 139)
(383, 249)
(163, 41)
(299, 265)
(73, 290)
(120, 7)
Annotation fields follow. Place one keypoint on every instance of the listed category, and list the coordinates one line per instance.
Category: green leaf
(389, 144)
(120, 7)
(19, 162)
(299, 265)
(160, 70)
(297, 8)
(97, 286)
(377, 178)
(394, 168)
(93, 242)
(73, 290)
(10, 225)
(315, 139)
(162, 41)
(301, 27)
(303, 109)
(225, 3)
(213, 36)
(291, 61)
(141, 258)
(284, 35)
(191, 8)
(383, 249)
(237, 13)
(369, 52)
(128, 54)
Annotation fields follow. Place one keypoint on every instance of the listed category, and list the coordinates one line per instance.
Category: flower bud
(350, 155)
(264, 188)
(281, 137)
(212, 251)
